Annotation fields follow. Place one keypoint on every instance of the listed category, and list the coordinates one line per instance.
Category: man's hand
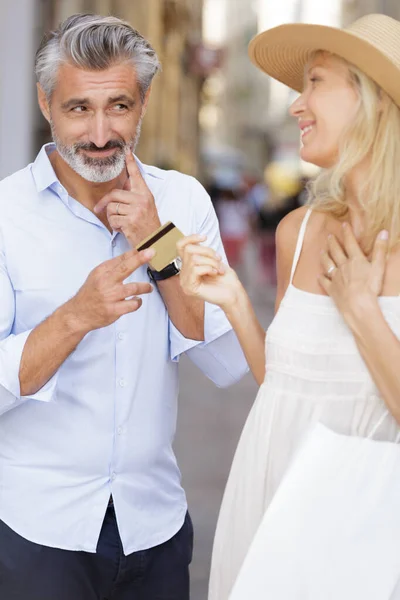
(132, 210)
(104, 297)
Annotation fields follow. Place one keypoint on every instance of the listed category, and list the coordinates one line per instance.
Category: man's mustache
(93, 148)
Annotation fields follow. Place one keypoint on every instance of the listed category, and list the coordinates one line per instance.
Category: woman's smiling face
(325, 109)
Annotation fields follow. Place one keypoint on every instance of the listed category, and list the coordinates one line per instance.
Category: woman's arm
(380, 350)
(286, 237)
(250, 333)
(203, 275)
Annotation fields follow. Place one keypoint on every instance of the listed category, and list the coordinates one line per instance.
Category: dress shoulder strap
(299, 244)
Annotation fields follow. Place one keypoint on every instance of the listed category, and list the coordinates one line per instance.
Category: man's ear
(43, 102)
(145, 102)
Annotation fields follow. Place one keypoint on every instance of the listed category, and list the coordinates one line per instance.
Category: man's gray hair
(95, 43)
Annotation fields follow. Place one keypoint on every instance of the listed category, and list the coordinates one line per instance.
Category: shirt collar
(45, 176)
(42, 169)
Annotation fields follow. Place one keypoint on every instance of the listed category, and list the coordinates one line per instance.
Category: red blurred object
(234, 247)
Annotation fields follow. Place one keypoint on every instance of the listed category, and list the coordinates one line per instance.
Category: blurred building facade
(249, 111)
(170, 133)
(235, 111)
(17, 85)
(353, 9)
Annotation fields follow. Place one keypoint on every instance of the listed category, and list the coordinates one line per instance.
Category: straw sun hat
(371, 43)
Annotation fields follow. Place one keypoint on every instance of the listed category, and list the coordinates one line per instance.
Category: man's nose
(99, 133)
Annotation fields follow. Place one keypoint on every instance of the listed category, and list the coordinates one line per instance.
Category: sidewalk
(209, 424)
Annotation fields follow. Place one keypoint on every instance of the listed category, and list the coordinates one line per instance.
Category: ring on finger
(117, 208)
(331, 270)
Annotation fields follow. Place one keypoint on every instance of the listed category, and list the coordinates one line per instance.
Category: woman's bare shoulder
(288, 229)
(287, 234)
(286, 238)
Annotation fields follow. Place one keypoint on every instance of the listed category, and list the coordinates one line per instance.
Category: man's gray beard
(96, 170)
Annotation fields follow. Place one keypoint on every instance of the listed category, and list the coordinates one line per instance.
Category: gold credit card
(163, 241)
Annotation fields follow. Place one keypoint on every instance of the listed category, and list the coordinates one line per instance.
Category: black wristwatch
(170, 270)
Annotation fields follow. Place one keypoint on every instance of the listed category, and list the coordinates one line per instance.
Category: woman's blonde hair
(373, 134)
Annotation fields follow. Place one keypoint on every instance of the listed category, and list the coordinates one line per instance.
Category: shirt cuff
(10, 360)
(215, 325)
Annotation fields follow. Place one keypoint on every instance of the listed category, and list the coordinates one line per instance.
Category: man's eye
(120, 107)
(79, 109)
(314, 79)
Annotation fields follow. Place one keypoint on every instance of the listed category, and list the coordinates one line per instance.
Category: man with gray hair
(91, 504)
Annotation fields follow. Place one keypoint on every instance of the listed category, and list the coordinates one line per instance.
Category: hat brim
(283, 52)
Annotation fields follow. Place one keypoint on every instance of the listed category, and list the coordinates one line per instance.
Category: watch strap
(168, 271)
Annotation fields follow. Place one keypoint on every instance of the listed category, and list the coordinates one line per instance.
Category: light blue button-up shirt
(105, 422)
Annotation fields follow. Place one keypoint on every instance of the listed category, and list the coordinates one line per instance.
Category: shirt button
(114, 243)
(119, 430)
(121, 336)
(113, 476)
(122, 382)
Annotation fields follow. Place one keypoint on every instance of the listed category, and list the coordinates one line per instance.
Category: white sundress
(314, 372)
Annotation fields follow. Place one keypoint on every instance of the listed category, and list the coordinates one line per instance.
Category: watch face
(178, 262)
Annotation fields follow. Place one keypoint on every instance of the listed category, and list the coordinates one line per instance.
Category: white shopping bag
(332, 531)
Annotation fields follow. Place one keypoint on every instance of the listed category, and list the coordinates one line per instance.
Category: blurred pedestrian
(91, 503)
(233, 216)
(256, 196)
(284, 189)
(332, 352)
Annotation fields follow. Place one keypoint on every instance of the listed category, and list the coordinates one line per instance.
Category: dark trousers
(29, 571)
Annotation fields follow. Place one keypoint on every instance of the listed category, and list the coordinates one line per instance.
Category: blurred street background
(212, 115)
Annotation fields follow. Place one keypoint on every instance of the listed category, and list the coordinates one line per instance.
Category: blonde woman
(332, 352)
